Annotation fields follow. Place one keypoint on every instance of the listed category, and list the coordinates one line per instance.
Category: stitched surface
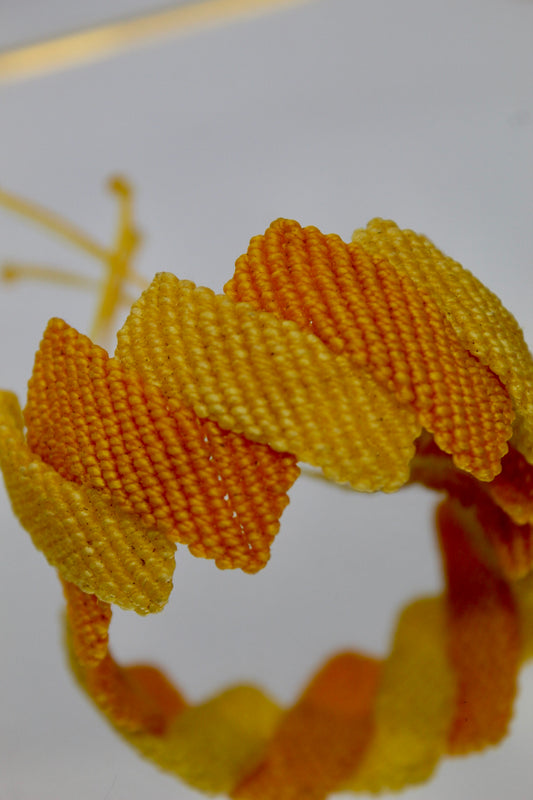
(485, 328)
(381, 362)
(91, 540)
(99, 425)
(271, 381)
(363, 307)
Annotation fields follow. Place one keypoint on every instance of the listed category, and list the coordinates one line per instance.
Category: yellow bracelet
(382, 362)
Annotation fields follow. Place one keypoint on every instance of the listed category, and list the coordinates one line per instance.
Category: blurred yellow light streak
(110, 39)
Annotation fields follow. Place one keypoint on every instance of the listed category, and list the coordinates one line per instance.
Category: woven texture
(382, 320)
(91, 540)
(269, 380)
(484, 327)
(380, 361)
(101, 426)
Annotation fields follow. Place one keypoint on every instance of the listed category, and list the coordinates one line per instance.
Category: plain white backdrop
(330, 113)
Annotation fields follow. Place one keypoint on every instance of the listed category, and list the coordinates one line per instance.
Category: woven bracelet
(382, 362)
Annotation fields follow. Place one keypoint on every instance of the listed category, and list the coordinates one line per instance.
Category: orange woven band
(382, 362)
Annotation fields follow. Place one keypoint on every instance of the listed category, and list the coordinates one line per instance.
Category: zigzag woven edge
(307, 325)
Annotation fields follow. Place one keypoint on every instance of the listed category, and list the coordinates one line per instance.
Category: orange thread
(355, 358)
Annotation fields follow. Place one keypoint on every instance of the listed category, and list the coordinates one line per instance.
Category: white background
(330, 113)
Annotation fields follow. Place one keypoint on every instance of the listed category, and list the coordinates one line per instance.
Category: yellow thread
(351, 357)
(117, 260)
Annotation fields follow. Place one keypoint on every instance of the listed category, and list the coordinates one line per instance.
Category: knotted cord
(380, 361)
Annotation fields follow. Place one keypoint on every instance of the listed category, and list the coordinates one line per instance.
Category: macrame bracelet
(382, 362)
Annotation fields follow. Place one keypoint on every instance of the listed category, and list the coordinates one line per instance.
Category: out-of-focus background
(330, 112)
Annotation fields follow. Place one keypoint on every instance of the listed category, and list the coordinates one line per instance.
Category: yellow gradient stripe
(107, 40)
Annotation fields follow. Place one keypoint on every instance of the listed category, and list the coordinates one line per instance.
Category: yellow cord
(116, 260)
(380, 362)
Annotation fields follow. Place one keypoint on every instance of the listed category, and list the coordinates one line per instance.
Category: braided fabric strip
(99, 425)
(269, 380)
(360, 725)
(497, 510)
(380, 361)
(360, 305)
(91, 540)
(485, 328)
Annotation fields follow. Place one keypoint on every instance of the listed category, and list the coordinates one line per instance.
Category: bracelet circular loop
(382, 362)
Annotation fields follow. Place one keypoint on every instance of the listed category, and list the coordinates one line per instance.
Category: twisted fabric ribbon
(382, 362)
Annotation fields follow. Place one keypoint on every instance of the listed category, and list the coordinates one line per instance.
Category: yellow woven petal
(380, 319)
(93, 543)
(99, 425)
(265, 378)
(414, 705)
(213, 744)
(477, 316)
(332, 353)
